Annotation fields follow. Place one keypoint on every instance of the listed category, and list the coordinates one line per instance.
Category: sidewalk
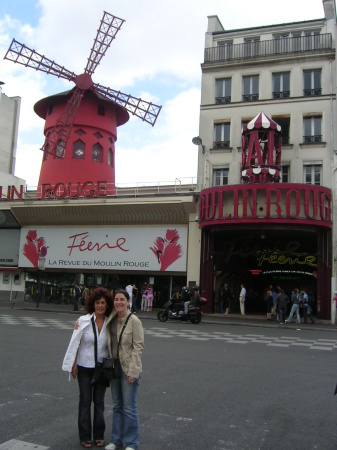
(219, 319)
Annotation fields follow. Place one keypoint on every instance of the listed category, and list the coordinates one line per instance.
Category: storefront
(266, 234)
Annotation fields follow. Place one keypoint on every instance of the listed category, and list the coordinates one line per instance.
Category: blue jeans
(125, 424)
(294, 309)
(90, 393)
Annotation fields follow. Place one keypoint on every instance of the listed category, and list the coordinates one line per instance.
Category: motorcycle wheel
(162, 316)
(196, 318)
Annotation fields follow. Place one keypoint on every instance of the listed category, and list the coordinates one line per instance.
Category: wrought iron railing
(250, 97)
(222, 100)
(271, 47)
(316, 139)
(281, 94)
(312, 92)
(221, 144)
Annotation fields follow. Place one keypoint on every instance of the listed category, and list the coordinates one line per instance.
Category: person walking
(242, 299)
(76, 294)
(282, 301)
(224, 296)
(80, 362)
(149, 297)
(295, 309)
(270, 303)
(125, 422)
(307, 311)
(143, 305)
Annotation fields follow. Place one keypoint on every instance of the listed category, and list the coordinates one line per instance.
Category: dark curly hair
(97, 294)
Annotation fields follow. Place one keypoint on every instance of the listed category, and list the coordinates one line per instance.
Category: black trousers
(90, 393)
(305, 316)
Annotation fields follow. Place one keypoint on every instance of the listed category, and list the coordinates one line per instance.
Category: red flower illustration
(167, 250)
(34, 247)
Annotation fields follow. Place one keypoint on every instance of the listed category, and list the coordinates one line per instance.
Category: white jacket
(74, 343)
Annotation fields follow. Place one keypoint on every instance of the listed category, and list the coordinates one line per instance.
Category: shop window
(223, 91)
(312, 130)
(250, 88)
(281, 85)
(221, 135)
(312, 83)
(220, 177)
(97, 153)
(78, 149)
(313, 174)
(17, 278)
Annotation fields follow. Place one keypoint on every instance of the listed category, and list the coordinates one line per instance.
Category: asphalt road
(206, 386)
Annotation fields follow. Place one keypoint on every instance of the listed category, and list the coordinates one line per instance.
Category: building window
(250, 88)
(101, 110)
(311, 40)
(80, 132)
(223, 91)
(285, 173)
(97, 153)
(312, 130)
(220, 177)
(296, 42)
(284, 123)
(225, 50)
(5, 278)
(17, 278)
(251, 47)
(78, 149)
(312, 83)
(110, 157)
(281, 85)
(59, 153)
(221, 135)
(281, 43)
(313, 174)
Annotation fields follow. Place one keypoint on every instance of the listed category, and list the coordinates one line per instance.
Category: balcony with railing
(223, 100)
(258, 49)
(281, 94)
(315, 139)
(312, 92)
(219, 145)
(250, 97)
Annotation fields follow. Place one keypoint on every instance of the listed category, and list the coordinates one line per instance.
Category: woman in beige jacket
(125, 424)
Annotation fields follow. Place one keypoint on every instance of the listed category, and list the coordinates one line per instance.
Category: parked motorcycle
(174, 308)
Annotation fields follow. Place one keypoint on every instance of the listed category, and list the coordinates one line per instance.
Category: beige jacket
(131, 346)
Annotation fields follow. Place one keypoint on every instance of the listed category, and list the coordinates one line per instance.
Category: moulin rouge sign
(282, 203)
(60, 191)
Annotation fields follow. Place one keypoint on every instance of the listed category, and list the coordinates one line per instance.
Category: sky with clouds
(156, 56)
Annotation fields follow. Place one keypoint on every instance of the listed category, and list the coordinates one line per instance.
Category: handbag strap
(120, 336)
(95, 335)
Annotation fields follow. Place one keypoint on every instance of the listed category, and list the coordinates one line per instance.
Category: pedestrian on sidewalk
(295, 309)
(282, 301)
(224, 296)
(307, 311)
(242, 299)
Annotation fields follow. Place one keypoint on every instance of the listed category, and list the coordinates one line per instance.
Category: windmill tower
(81, 124)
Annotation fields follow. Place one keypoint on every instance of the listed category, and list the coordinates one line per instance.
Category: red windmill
(81, 124)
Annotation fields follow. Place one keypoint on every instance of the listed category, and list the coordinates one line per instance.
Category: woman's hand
(76, 325)
(131, 380)
(74, 370)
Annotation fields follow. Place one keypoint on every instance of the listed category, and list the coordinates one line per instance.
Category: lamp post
(41, 267)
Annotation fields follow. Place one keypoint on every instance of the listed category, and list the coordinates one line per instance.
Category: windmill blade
(110, 25)
(56, 140)
(21, 54)
(146, 111)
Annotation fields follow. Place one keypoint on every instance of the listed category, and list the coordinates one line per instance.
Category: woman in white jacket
(80, 362)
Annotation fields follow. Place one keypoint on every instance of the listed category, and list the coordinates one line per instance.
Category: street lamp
(42, 261)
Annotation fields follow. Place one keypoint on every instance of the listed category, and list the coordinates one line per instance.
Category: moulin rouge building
(267, 160)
